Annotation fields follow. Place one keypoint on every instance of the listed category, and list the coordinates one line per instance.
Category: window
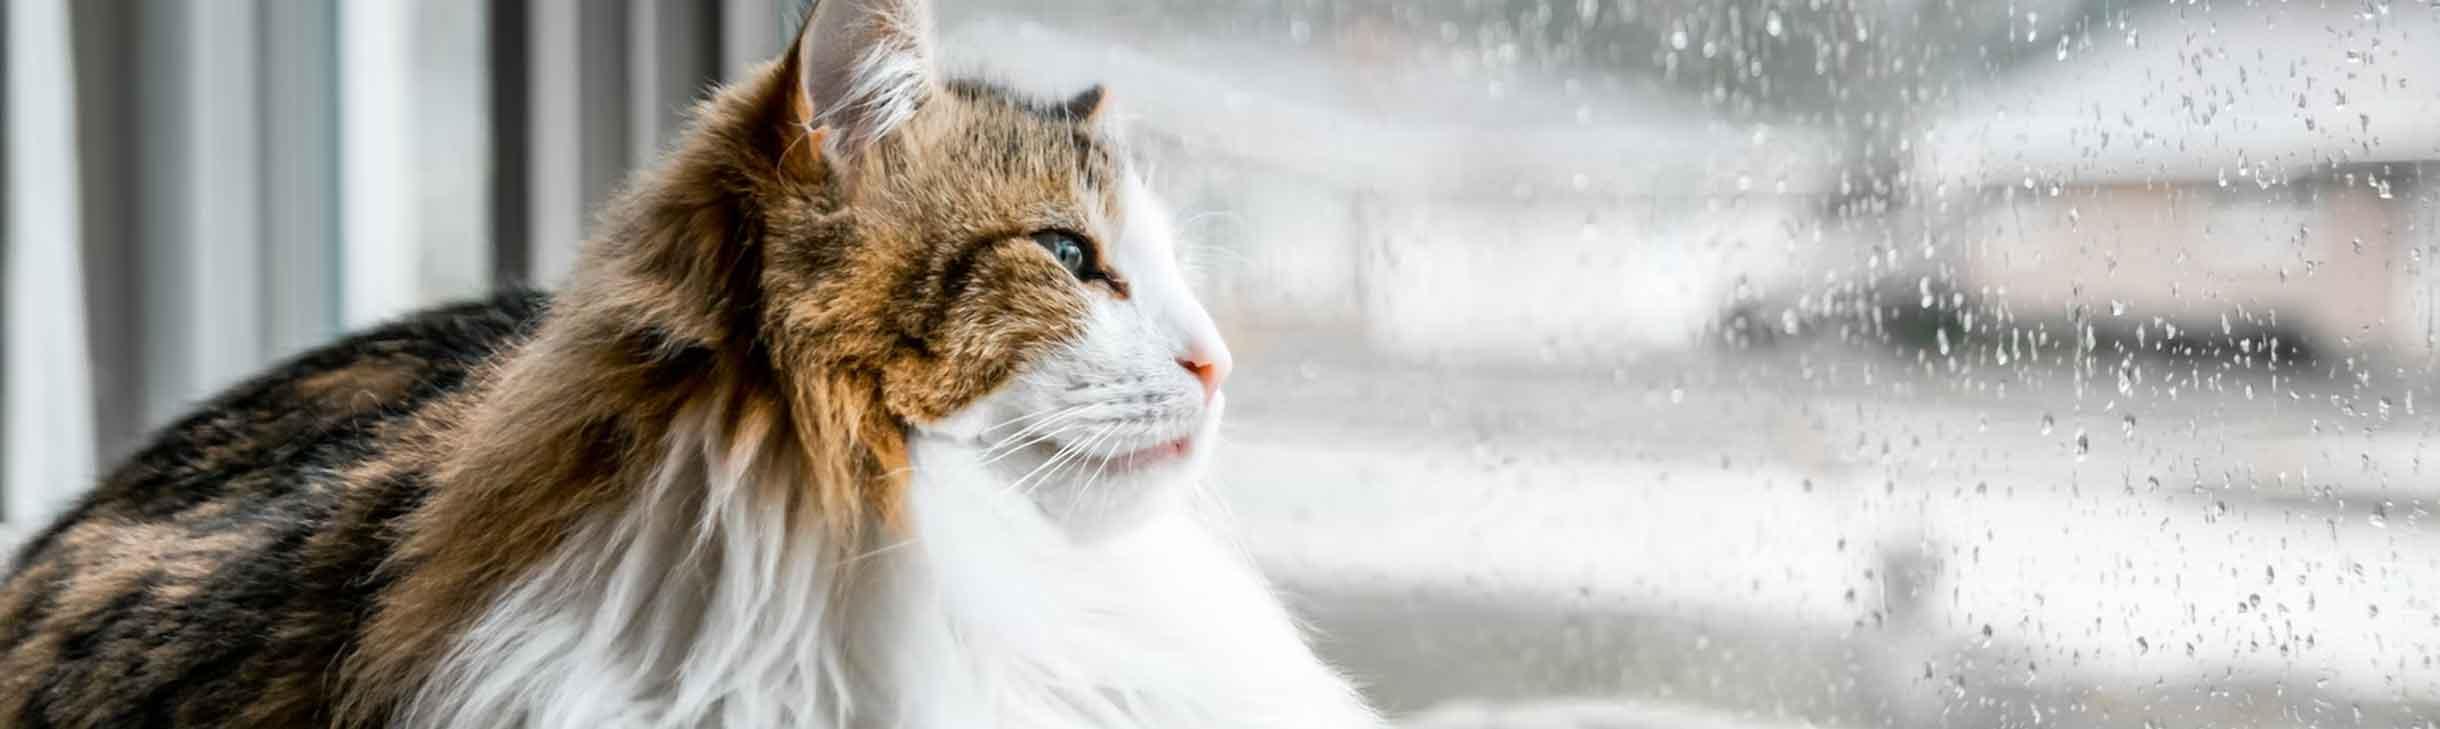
(1755, 363)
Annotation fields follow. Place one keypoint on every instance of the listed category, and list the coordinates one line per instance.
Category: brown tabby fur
(303, 551)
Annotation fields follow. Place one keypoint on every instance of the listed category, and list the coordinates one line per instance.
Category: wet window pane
(1929, 363)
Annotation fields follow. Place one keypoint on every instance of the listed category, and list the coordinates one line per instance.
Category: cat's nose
(1210, 364)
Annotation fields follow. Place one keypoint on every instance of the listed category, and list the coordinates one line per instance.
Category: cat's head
(995, 263)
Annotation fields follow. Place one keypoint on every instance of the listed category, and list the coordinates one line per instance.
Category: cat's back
(215, 577)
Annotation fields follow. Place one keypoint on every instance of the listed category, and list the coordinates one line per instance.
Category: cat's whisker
(1051, 424)
(1101, 467)
(1036, 416)
(991, 458)
(997, 453)
(1108, 434)
(1084, 452)
(1074, 455)
(1053, 418)
(1063, 452)
(880, 550)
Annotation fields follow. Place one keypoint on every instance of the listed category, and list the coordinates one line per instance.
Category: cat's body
(879, 404)
(216, 577)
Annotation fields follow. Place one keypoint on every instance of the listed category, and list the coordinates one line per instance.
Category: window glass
(1917, 363)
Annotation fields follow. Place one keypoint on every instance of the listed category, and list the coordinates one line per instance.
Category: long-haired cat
(879, 403)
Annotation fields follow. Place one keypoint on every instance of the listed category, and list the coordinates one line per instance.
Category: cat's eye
(1071, 251)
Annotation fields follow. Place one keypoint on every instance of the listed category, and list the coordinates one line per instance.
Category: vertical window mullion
(222, 284)
(300, 146)
(752, 31)
(510, 57)
(45, 393)
(377, 261)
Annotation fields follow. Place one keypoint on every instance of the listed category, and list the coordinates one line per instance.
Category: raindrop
(2047, 422)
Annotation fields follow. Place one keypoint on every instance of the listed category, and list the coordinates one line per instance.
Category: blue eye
(1071, 252)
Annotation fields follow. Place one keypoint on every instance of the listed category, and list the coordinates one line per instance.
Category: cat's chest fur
(701, 606)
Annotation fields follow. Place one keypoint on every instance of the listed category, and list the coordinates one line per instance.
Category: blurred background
(1603, 363)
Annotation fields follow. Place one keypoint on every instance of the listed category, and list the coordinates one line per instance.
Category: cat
(880, 402)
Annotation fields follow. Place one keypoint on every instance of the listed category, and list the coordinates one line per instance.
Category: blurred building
(2249, 170)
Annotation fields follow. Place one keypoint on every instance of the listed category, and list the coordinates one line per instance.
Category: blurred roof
(1372, 118)
(2197, 92)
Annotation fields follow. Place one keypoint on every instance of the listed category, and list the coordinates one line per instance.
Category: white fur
(887, 57)
(886, 86)
(1036, 582)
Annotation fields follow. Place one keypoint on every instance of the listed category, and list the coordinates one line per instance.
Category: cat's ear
(1086, 104)
(863, 66)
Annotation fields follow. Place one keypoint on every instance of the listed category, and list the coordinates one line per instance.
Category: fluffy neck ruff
(718, 597)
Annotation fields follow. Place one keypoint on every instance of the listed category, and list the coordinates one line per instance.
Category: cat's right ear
(862, 68)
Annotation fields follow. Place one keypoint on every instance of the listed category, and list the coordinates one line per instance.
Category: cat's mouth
(1155, 455)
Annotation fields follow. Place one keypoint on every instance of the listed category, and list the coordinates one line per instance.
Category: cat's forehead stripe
(1093, 159)
(981, 91)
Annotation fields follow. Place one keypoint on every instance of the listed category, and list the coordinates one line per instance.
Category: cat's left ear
(863, 67)
(1085, 105)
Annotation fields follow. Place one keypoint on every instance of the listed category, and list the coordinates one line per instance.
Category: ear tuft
(1085, 104)
(864, 66)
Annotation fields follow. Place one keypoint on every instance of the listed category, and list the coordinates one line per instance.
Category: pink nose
(1211, 366)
